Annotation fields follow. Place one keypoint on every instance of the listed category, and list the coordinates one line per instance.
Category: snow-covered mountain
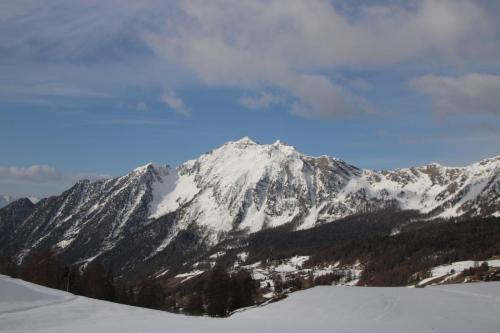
(240, 187)
(249, 186)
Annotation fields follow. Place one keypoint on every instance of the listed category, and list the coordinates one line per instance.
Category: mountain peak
(243, 141)
(246, 142)
(150, 166)
(280, 143)
(8, 199)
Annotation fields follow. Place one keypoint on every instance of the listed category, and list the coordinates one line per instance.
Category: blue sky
(96, 88)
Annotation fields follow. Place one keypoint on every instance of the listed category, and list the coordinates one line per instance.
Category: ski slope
(25, 307)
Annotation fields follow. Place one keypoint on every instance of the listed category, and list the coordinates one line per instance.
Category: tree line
(216, 292)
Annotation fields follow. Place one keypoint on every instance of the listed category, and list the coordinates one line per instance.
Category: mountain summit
(249, 186)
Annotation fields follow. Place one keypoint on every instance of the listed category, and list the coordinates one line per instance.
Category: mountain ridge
(440, 174)
(240, 187)
(7, 199)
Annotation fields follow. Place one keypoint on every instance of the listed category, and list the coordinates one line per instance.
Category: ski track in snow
(44, 305)
(47, 296)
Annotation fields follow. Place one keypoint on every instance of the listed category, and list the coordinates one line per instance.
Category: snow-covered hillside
(443, 273)
(25, 307)
(250, 186)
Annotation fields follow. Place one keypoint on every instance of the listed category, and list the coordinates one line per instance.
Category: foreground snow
(25, 307)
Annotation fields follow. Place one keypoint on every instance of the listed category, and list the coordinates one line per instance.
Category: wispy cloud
(471, 93)
(136, 120)
(43, 174)
(89, 48)
(141, 107)
(34, 173)
(40, 180)
(476, 135)
(261, 101)
(175, 103)
(263, 43)
(49, 89)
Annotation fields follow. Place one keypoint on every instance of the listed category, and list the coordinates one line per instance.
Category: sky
(92, 89)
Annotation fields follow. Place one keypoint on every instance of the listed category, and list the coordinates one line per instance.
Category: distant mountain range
(4, 200)
(157, 219)
(7, 199)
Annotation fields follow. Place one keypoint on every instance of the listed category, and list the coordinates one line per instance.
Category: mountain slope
(249, 186)
(244, 185)
(156, 214)
(89, 218)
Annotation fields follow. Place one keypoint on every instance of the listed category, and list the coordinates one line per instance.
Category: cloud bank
(296, 48)
(291, 45)
(471, 93)
(39, 180)
(43, 174)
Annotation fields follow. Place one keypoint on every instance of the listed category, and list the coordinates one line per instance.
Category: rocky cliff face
(241, 187)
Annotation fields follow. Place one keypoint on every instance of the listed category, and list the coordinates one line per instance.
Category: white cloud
(79, 49)
(262, 101)
(142, 107)
(319, 97)
(287, 45)
(253, 45)
(43, 174)
(49, 89)
(34, 173)
(175, 103)
(471, 93)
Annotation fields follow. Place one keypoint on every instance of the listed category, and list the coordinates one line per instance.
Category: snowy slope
(455, 268)
(250, 186)
(245, 185)
(25, 307)
(18, 296)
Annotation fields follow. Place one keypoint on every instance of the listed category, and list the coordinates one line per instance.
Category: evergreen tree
(99, 282)
(194, 305)
(217, 292)
(278, 284)
(242, 290)
(44, 269)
